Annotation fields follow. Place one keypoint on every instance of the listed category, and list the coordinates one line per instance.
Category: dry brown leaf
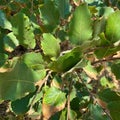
(91, 74)
(48, 110)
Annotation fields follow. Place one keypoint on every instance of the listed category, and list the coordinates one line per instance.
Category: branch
(105, 60)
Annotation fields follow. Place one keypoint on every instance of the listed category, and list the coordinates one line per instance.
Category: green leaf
(103, 41)
(106, 52)
(63, 115)
(4, 23)
(97, 113)
(107, 11)
(99, 26)
(114, 108)
(73, 115)
(23, 30)
(81, 25)
(3, 59)
(115, 68)
(112, 27)
(106, 83)
(54, 100)
(49, 15)
(101, 53)
(54, 97)
(10, 42)
(108, 95)
(50, 46)
(18, 82)
(67, 61)
(33, 60)
(21, 106)
(63, 7)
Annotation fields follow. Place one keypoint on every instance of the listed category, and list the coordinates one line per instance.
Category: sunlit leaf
(112, 27)
(50, 46)
(10, 42)
(81, 25)
(54, 100)
(105, 82)
(22, 29)
(99, 26)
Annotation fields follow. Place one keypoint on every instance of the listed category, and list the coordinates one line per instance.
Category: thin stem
(32, 6)
(68, 108)
(68, 101)
(105, 60)
(39, 88)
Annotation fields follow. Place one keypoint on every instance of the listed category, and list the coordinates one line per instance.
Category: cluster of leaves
(59, 59)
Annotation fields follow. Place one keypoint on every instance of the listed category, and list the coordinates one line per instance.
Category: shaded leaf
(108, 95)
(115, 68)
(81, 25)
(99, 26)
(3, 58)
(49, 15)
(114, 108)
(106, 51)
(63, 7)
(97, 113)
(21, 106)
